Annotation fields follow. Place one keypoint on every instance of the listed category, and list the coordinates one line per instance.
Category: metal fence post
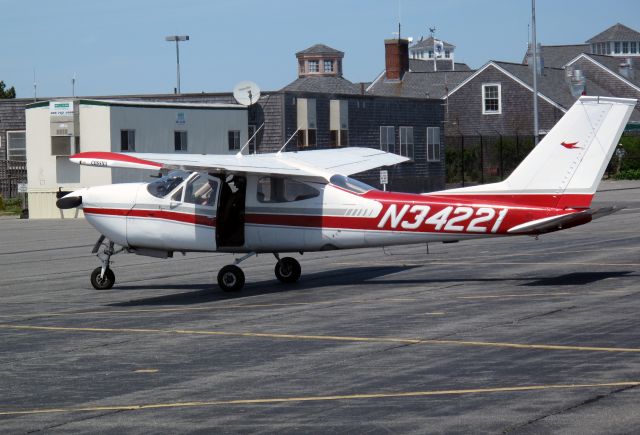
(481, 160)
(462, 159)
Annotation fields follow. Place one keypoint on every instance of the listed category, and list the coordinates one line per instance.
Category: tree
(6, 93)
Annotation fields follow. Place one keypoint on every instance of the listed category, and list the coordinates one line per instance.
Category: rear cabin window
(276, 189)
(350, 184)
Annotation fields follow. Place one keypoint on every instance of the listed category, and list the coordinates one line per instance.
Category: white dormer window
(328, 66)
(313, 66)
(491, 99)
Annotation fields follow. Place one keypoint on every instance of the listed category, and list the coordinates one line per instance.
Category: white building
(57, 129)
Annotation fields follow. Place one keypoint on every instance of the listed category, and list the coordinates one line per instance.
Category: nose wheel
(102, 281)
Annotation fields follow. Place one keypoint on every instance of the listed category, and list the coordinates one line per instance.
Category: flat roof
(145, 104)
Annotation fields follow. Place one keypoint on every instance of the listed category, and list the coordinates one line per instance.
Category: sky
(118, 47)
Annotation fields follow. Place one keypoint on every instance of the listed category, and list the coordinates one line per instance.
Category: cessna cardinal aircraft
(305, 201)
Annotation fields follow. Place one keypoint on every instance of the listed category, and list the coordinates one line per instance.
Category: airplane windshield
(164, 185)
(350, 184)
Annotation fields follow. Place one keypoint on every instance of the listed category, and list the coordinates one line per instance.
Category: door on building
(231, 208)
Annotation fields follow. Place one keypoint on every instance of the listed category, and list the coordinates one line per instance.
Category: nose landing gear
(103, 278)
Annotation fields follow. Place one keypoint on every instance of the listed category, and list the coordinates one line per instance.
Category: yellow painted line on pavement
(158, 310)
(268, 401)
(322, 338)
(527, 295)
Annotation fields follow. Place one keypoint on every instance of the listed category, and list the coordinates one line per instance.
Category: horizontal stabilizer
(555, 223)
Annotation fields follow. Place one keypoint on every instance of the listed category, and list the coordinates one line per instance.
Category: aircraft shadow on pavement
(577, 278)
(209, 292)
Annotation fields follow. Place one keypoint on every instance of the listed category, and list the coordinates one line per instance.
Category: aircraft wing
(323, 163)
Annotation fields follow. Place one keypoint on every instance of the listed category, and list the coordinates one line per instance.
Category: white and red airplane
(305, 201)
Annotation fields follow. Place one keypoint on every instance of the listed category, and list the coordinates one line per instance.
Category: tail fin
(567, 165)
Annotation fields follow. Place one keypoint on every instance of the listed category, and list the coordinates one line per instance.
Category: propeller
(69, 202)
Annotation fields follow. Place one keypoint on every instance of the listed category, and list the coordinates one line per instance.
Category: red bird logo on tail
(569, 145)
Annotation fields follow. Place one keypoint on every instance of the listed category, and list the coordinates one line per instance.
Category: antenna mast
(534, 47)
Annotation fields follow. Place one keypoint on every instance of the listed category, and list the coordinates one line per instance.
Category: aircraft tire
(104, 283)
(288, 270)
(231, 278)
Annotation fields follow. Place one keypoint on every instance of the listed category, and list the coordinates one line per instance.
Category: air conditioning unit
(65, 145)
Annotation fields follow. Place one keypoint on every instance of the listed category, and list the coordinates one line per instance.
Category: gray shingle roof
(420, 84)
(330, 85)
(552, 83)
(427, 44)
(617, 32)
(422, 65)
(612, 64)
(557, 56)
(320, 49)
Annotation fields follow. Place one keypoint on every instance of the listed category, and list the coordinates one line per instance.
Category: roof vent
(626, 68)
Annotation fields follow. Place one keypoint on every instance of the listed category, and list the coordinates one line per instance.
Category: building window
(307, 138)
(234, 140)
(632, 47)
(491, 99)
(339, 138)
(447, 54)
(625, 47)
(433, 144)
(388, 138)
(313, 66)
(180, 140)
(616, 47)
(127, 140)
(430, 54)
(328, 66)
(16, 146)
(406, 142)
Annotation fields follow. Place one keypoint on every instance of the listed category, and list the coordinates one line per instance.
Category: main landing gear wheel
(231, 278)
(105, 282)
(288, 270)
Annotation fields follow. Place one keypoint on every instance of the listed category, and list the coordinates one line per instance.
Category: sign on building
(61, 108)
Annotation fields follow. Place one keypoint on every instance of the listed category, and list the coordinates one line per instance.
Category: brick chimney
(396, 56)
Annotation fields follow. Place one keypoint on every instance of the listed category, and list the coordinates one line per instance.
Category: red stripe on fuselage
(155, 214)
(533, 200)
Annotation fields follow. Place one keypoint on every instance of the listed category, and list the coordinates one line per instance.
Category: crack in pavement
(585, 402)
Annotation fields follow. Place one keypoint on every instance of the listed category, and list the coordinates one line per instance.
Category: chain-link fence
(12, 172)
(487, 159)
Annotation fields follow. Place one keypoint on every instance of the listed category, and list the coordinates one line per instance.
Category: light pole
(177, 39)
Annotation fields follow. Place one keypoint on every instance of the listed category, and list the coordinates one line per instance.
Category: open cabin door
(231, 207)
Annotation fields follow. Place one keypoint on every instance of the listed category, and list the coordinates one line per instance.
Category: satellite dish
(246, 93)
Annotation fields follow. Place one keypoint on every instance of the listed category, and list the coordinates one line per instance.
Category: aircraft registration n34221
(305, 201)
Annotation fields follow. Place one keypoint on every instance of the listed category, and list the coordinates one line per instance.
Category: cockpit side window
(201, 190)
(165, 185)
(279, 189)
(350, 184)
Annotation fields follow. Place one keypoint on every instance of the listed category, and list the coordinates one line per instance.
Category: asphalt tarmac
(511, 335)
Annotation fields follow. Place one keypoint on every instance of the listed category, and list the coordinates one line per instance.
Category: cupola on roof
(320, 60)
